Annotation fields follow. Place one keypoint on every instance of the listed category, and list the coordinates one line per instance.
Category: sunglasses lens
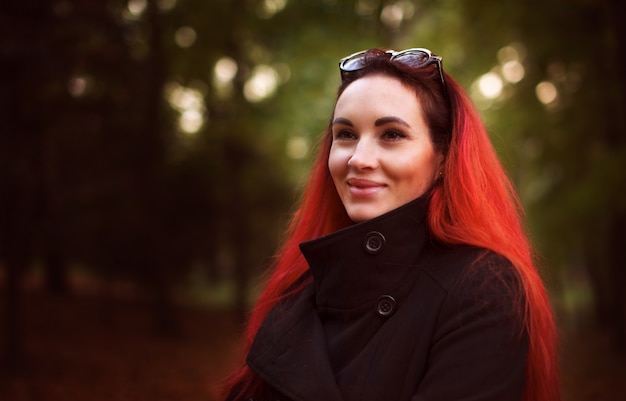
(413, 59)
(354, 63)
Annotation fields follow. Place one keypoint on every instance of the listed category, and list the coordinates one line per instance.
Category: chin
(360, 214)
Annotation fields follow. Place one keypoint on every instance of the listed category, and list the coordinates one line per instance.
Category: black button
(385, 305)
(374, 242)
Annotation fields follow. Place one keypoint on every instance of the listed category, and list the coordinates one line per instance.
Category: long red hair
(475, 203)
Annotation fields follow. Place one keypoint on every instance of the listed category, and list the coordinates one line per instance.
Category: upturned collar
(353, 265)
(351, 269)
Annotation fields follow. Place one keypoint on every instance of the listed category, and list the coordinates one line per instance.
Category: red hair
(477, 204)
(474, 204)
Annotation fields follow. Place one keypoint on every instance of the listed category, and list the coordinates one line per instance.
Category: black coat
(393, 316)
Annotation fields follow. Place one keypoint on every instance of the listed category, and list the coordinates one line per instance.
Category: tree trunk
(22, 58)
(151, 179)
(617, 141)
(617, 270)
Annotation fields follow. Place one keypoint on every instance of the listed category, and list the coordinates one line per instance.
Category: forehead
(379, 94)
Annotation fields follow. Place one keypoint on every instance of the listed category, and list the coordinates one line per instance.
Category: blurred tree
(141, 136)
(20, 154)
(267, 97)
(548, 77)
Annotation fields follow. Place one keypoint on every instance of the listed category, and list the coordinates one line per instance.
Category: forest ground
(93, 348)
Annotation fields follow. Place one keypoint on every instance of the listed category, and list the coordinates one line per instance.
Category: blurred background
(151, 152)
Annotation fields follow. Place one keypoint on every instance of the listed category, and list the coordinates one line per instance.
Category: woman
(406, 273)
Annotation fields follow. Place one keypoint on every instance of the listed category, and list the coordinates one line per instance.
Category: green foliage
(566, 154)
(227, 189)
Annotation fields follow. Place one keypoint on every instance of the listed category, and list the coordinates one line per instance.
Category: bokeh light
(513, 71)
(185, 37)
(191, 121)
(136, 7)
(224, 73)
(393, 14)
(297, 147)
(546, 92)
(77, 86)
(189, 102)
(261, 84)
(225, 70)
(490, 85)
(268, 8)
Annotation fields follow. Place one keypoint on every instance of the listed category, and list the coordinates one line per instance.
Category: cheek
(416, 171)
(337, 162)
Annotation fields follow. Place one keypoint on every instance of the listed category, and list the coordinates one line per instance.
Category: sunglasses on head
(416, 58)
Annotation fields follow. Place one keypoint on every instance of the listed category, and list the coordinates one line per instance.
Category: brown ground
(81, 348)
(591, 369)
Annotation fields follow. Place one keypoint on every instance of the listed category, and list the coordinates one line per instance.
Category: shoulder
(465, 266)
(479, 341)
(476, 278)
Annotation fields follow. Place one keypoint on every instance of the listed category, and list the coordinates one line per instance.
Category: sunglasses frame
(393, 55)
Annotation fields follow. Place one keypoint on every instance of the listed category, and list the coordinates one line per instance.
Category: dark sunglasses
(416, 58)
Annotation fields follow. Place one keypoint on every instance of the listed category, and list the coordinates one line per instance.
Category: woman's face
(382, 156)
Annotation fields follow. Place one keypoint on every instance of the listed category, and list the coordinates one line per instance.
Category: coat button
(374, 242)
(385, 305)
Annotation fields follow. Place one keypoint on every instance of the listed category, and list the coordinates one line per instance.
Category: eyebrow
(344, 121)
(388, 120)
(380, 122)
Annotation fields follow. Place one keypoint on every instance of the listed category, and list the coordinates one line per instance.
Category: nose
(364, 155)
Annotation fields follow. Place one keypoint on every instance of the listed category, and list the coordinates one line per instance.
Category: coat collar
(350, 267)
(366, 258)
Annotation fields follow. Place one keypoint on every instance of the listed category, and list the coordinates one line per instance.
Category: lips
(363, 187)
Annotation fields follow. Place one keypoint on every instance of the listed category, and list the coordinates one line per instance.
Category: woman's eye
(393, 135)
(345, 134)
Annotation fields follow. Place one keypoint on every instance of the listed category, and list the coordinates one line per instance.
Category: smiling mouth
(361, 187)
